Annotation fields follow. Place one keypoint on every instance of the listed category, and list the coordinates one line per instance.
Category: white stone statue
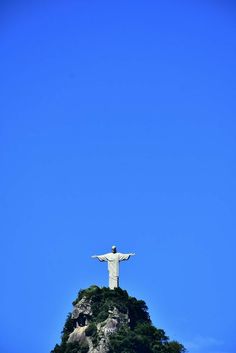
(113, 260)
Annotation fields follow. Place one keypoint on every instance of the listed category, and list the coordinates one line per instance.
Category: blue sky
(117, 126)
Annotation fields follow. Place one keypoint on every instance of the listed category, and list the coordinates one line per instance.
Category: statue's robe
(113, 260)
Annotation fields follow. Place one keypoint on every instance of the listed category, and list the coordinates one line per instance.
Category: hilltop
(111, 321)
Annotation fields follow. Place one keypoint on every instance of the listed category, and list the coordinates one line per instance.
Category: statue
(113, 260)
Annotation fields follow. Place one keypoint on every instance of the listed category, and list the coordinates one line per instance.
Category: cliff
(110, 321)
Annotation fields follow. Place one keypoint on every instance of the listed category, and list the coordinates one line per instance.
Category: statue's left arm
(123, 257)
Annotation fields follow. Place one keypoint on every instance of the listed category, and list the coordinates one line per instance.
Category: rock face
(110, 321)
(82, 315)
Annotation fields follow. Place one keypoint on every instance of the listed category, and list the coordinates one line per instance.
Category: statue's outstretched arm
(123, 257)
(100, 257)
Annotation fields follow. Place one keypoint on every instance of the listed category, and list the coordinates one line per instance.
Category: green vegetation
(91, 331)
(105, 299)
(139, 336)
(144, 338)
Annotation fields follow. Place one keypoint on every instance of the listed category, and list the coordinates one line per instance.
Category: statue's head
(113, 249)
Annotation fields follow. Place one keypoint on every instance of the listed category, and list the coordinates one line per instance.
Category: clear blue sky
(118, 127)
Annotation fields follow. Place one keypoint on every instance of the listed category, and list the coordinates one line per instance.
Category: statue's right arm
(100, 257)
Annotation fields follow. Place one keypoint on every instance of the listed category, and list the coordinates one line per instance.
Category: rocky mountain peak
(110, 321)
(85, 327)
